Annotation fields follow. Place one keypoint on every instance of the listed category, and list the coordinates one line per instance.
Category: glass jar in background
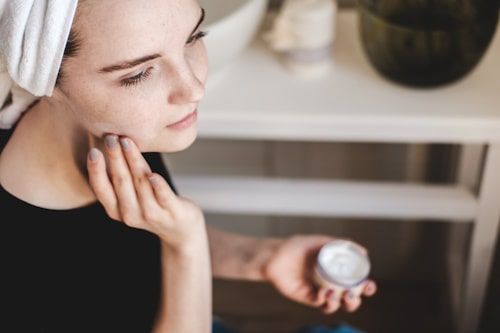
(426, 43)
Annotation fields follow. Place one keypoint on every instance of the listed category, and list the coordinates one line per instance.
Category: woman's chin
(180, 143)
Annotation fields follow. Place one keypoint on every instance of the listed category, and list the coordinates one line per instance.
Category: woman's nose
(187, 88)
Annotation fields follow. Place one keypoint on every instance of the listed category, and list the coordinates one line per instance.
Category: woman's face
(140, 71)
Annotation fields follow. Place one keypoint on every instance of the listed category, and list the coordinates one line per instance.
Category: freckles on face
(134, 57)
(101, 111)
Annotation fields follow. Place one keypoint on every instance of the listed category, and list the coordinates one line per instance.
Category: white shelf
(255, 97)
(320, 198)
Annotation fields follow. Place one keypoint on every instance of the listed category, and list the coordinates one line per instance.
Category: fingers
(101, 184)
(332, 302)
(125, 186)
(370, 288)
(349, 300)
(352, 299)
(346, 300)
(121, 178)
(148, 186)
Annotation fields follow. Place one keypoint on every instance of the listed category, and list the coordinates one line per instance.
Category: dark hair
(70, 50)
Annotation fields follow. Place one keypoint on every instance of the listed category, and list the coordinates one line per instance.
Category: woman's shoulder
(24, 217)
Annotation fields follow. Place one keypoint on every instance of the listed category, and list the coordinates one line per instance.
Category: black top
(75, 270)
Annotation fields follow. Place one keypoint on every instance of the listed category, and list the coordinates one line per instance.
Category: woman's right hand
(130, 192)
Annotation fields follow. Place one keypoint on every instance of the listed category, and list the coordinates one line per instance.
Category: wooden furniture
(255, 98)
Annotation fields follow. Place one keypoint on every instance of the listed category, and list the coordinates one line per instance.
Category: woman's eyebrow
(135, 62)
(129, 63)
(200, 21)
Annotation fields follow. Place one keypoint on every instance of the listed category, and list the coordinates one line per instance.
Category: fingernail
(93, 154)
(369, 287)
(334, 297)
(110, 141)
(350, 295)
(125, 143)
(152, 179)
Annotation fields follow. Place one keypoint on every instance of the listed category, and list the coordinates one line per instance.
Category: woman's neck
(44, 162)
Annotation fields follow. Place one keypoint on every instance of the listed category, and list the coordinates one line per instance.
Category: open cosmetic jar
(341, 266)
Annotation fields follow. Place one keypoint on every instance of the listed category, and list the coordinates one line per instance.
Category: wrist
(265, 249)
(239, 257)
(190, 246)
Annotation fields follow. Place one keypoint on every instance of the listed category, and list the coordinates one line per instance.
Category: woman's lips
(185, 122)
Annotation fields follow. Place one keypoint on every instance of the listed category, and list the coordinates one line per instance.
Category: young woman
(94, 237)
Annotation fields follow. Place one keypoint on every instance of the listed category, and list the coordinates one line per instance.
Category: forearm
(235, 256)
(186, 304)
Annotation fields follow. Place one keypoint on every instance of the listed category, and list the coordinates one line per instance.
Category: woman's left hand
(290, 269)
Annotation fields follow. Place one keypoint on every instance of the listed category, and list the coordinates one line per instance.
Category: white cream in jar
(341, 266)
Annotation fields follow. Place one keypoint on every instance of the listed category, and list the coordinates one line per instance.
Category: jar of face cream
(303, 32)
(341, 266)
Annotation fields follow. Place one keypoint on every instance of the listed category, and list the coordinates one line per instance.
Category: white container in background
(303, 32)
(231, 25)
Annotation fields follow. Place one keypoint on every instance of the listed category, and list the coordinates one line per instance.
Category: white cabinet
(255, 98)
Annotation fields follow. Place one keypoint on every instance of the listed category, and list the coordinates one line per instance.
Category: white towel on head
(33, 35)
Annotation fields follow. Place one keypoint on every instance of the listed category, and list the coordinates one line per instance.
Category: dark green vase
(426, 43)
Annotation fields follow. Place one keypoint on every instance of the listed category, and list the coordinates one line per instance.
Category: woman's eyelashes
(191, 40)
(142, 76)
(136, 79)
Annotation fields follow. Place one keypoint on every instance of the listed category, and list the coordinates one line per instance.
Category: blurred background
(407, 258)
